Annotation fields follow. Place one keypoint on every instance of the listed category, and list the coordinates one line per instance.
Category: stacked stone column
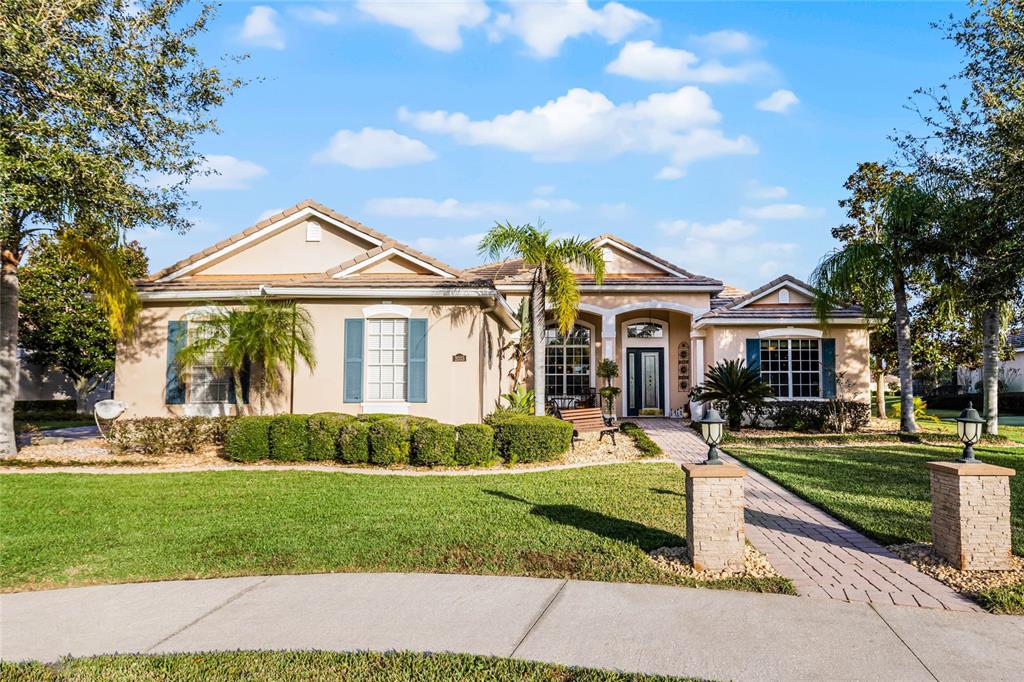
(971, 514)
(714, 517)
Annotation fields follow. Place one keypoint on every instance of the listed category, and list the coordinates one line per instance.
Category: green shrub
(920, 414)
(289, 437)
(642, 442)
(522, 438)
(323, 434)
(389, 441)
(816, 415)
(248, 439)
(474, 444)
(162, 435)
(433, 445)
(353, 442)
(61, 405)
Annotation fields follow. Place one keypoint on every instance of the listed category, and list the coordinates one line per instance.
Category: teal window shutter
(754, 354)
(177, 337)
(828, 367)
(243, 380)
(418, 360)
(353, 380)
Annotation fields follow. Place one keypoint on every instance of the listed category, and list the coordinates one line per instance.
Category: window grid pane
(206, 385)
(567, 370)
(792, 367)
(386, 359)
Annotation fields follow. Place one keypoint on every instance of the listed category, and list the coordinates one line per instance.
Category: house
(399, 331)
(1011, 372)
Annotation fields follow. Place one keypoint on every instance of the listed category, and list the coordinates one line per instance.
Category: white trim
(266, 231)
(628, 343)
(385, 310)
(203, 312)
(783, 284)
(858, 321)
(623, 288)
(209, 409)
(643, 305)
(385, 255)
(385, 407)
(639, 256)
(790, 332)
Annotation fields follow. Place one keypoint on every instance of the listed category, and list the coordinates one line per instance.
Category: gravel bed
(589, 449)
(674, 559)
(969, 583)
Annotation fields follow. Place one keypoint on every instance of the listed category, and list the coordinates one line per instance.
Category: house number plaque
(459, 357)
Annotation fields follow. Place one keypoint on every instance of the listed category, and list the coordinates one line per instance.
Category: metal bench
(587, 420)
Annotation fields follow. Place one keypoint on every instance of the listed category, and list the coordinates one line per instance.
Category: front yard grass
(594, 523)
(269, 666)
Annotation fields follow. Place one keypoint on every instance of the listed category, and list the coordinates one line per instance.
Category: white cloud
(314, 15)
(725, 230)
(454, 209)
(646, 61)
(260, 28)
(373, 148)
(746, 263)
(221, 171)
(460, 249)
(585, 124)
(616, 211)
(756, 190)
(783, 212)
(669, 173)
(544, 190)
(269, 212)
(779, 101)
(721, 42)
(435, 24)
(544, 26)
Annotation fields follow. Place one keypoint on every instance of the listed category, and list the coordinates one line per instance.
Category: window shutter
(754, 354)
(828, 367)
(353, 380)
(418, 360)
(243, 380)
(177, 336)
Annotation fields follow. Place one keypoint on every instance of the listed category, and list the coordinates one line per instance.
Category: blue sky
(716, 135)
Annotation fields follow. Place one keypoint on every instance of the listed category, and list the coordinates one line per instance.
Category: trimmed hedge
(815, 415)
(353, 442)
(61, 405)
(248, 439)
(161, 435)
(389, 441)
(474, 444)
(642, 442)
(1009, 403)
(289, 437)
(522, 438)
(324, 429)
(433, 445)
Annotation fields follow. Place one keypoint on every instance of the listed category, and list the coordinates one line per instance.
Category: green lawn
(594, 523)
(311, 665)
(882, 490)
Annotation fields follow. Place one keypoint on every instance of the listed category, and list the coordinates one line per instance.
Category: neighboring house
(1011, 372)
(36, 382)
(399, 331)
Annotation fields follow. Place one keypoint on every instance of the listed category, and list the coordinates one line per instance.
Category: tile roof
(794, 311)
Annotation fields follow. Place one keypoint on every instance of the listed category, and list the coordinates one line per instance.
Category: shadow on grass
(606, 526)
(664, 491)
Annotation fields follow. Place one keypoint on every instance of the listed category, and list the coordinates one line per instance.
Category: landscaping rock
(674, 559)
(969, 583)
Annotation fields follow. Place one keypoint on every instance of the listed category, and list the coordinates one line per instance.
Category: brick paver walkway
(823, 557)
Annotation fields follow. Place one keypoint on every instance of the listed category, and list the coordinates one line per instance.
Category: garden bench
(587, 420)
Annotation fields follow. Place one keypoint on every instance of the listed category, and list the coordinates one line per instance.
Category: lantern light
(968, 430)
(711, 430)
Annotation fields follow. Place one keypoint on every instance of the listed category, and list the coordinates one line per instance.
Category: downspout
(483, 337)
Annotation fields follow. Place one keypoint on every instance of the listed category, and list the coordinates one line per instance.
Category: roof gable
(626, 258)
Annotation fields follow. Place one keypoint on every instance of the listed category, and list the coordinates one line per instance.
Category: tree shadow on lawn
(610, 527)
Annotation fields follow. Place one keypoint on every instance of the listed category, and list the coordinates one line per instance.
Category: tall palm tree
(553, 281)
(879, 269)
(262, 335)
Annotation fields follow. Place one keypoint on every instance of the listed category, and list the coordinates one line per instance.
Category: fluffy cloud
(454, 209)
(779, 101)
(729, 229)
(586, 124)
(314, 15)
(544, 26)
(756, 190)
(646, 61)
(783, 212)
(669, 173)
(260, 28)
(221, 171)
(437, 25)
(373, 148)
(748, 263)
(721, 42)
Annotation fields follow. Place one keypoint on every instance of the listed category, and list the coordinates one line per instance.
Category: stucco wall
(457, 392)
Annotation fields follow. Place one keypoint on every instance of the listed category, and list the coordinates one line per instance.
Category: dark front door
(645, 385)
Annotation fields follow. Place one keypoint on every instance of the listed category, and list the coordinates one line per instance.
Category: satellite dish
(108, 411)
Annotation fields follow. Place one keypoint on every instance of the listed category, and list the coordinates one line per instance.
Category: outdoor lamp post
(711, 428)
(968, 430)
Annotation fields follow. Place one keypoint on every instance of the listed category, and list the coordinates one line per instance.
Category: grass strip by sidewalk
(264, 666)
(596, 523)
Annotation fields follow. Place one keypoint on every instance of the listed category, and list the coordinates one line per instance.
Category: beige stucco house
(399, 331)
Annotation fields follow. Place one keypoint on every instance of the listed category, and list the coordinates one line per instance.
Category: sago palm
(266, 335)
(879, 269)
(553, 281)
(735, 385)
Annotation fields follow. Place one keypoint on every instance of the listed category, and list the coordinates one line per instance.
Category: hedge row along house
(399, 331)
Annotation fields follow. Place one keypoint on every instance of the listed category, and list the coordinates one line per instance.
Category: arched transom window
(568, 361)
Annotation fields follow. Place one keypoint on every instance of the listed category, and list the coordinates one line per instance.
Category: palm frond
(505, 238)
(845, 273)
(114, 291)
(582, 253)
(563, 294)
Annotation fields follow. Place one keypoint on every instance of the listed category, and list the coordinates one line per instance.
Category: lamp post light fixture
(711, 429)
(968, 430)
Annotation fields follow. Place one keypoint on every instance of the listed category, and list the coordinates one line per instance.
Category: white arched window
(569, 360)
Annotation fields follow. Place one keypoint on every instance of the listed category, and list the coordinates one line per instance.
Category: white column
(608, 336)
(697, 371)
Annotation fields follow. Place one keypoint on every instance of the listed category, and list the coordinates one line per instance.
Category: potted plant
(608, 369)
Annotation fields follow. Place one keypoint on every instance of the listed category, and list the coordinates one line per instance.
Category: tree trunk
(537, 329)
(8, 353)
(990, 329)
(83, 387)
(880, 393)
(904, 353)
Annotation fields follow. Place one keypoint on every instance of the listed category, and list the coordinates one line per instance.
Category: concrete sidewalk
(642, 628)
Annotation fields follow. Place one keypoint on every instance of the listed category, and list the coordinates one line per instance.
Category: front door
(645, 388)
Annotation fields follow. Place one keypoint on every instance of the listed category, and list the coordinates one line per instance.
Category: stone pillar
(714, 516)
(971, 514)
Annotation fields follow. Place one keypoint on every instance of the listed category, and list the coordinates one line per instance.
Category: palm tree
(262, 335)
(553, 281)
(738, 386)
(878, 270)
